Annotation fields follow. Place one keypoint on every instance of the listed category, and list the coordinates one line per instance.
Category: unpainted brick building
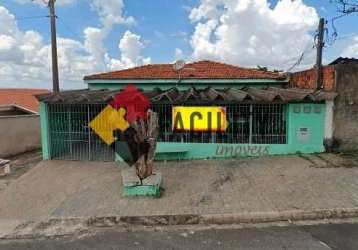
(340, 76)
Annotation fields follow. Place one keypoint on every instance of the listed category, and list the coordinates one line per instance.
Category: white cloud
(110, 13)
(6, 43)
(351, 50)
(25, 59)
(130, 47)
(8, 48)
(94, 45)
(178, 54)
(8, 24)
(251, 32)
(44, 2)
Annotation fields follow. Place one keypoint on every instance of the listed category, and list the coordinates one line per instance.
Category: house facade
(19, 121)
(265, 115)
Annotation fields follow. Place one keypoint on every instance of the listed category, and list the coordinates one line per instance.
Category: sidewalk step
(339, 161)
(316, 161)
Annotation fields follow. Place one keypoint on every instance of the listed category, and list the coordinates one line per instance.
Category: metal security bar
(248, 123)
(70, 136)
(72, 139)
(268, 124)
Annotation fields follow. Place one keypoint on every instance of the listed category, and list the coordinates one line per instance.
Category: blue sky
(162, 27)
(163, 24)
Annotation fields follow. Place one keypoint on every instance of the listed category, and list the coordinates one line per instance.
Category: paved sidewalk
(87, 189)
(20, 164)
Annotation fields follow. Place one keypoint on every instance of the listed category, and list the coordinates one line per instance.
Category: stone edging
(65, 226)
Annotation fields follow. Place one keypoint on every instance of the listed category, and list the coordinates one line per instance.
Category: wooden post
(320, 45)
(55, 78)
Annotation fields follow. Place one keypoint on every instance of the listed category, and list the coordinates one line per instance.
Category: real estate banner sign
(199, 118)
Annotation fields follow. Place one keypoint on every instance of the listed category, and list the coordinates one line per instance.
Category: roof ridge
(235, 66)
(133, 68)
(207, 69)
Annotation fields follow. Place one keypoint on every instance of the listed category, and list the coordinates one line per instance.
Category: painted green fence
(64, 132)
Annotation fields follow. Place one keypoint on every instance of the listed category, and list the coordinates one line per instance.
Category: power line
(347, 36)
(301, 57)
(318, 43)
(57, 17)
(298, 62)
(330, 39)
(346, 6)
(29, 17)
(68, 27)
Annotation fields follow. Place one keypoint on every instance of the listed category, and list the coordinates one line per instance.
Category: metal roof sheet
(211, 95)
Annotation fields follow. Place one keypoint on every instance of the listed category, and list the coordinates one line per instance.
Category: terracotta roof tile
(196, 70)
(22, 97)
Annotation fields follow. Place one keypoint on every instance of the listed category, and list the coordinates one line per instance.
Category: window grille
(72, 139)
(248, 123)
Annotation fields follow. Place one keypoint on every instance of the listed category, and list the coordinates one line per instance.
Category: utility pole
(320, 45)
(55, 80)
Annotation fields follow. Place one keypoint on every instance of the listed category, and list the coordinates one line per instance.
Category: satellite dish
(178, 65)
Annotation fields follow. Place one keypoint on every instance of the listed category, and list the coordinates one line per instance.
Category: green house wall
(184, 84)
(310, 140)
(45, 145)
(305, 134)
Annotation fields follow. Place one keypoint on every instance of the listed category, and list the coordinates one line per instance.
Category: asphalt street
(315, 237)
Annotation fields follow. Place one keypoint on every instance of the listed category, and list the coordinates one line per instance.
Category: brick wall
(307, 79)
(345, 131)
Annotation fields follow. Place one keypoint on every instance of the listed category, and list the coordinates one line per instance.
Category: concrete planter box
(133, 187)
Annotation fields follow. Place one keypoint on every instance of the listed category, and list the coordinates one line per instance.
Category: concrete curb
(242, 218)
(179, 219)
(65, 226)
(287, 215)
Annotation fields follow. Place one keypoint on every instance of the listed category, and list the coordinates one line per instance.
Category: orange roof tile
(196, 70)
(22, 97)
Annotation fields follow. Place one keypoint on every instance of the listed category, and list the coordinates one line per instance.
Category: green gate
(71, 138)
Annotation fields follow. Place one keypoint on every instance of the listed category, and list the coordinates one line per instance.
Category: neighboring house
(340, 76)
(19, 101)
(19, 121)
(265, 116)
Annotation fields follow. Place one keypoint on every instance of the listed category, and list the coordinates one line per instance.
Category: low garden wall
(19, 134)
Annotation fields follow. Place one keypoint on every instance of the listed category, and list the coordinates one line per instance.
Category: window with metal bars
(71, 137)
(248, 123)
